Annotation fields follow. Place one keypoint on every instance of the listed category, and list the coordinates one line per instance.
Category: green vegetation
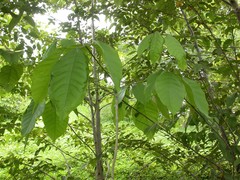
(154, 97)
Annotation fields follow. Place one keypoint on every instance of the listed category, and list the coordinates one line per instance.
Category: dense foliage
(156, 96)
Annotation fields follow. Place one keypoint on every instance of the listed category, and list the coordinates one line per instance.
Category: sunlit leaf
(33, 112)
(65, 43)
(42, 74)
(176, 50)
(170, 91)
(69, 81)
(50, 51)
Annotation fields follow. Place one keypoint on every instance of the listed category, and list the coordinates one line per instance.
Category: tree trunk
(96, 116)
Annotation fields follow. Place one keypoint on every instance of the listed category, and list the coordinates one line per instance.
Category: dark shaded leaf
(55, 125)
(33, 112)
(9, 76)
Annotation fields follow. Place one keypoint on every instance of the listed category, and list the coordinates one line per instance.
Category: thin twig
(67, 164)
(116, 140)
(81, 139)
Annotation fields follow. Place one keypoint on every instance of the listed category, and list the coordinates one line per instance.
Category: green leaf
(121, 105)
(121, 94)
(146, 118)
(231, 98)
(151, 79)
(42, 74)
(69, 81)
(9, 76)
(175, 49)
(30, 20)
(14, 21)
(11, 56)
(112, 61)
(167, 7)
(153, 43)
(144, 45)
(170, 91)
(156, 47)
(118, 2)
(55, 125)
(50, 51)
(66, 43)
(121, 110)
(33, 112)
(139, 92)
(163, 109)
(196, 96)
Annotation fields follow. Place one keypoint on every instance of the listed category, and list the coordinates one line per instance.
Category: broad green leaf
(175, 49)
(156, 47)
(196, 96)
(121, 110)
(118, 2)
(33, 112)
(146, 118)
(55, 125)
(154, 44)
(14, 21)
(51, 50)
(113, 63)
(167, 7)
(121, 94)
(139, 92)
(150, 85)
(231, 98)
(69, 81)
(34, 33)
(30, 20)
(162, 108)
(9, 76)
(42, 74)
(11, 56)
(170, 91)
(144, 45)
(66, 43)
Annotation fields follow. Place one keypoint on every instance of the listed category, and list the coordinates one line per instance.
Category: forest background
(153, 96)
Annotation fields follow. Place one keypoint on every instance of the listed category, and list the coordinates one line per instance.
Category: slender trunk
(97, 119)
(98, 145)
